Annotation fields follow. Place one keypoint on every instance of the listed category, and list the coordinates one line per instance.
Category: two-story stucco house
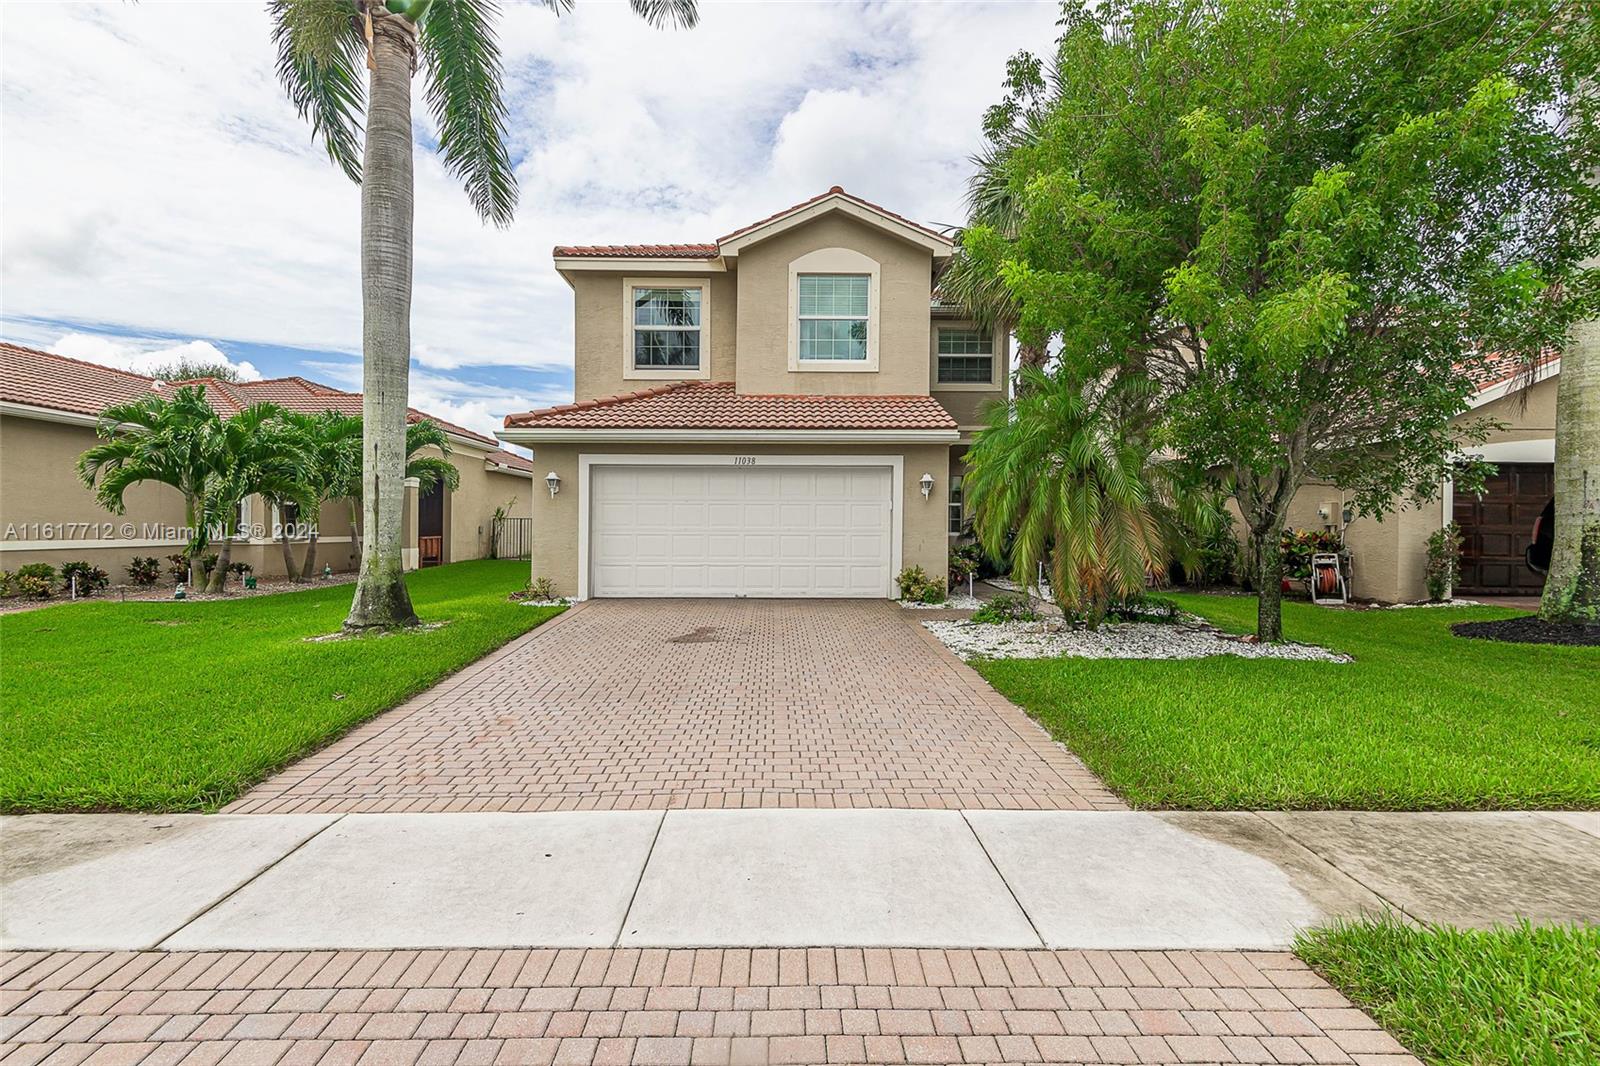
(782, 412)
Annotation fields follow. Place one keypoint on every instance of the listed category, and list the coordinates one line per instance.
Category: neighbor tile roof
(716, 405)
(43, 379)
(711, 251)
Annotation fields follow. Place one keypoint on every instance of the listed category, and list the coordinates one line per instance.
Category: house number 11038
(744, 460)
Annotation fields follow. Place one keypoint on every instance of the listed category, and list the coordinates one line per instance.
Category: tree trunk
(381, 598)
(1572, 588)
(219, 573)
(1264, 541)
(191, 507)
(289, 569)
(309, 571)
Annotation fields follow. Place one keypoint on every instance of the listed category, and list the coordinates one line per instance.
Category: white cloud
(147, 356)
(159, 181)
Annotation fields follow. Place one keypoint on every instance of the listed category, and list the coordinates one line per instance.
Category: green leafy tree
(1068, 473)
(1305, 220)
(367, 130)
(169, 441)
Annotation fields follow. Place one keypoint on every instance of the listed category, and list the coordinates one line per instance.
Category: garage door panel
(740, 531)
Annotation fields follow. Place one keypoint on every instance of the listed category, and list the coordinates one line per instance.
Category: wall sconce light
(927, 485)
(553, 479)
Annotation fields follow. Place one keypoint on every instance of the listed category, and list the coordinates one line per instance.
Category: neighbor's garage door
(740, 531)
(1498, 528)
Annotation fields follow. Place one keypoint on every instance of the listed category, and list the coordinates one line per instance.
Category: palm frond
(320, 57)
(462, 60)
(679, 14)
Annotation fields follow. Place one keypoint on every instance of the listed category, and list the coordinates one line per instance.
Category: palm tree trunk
(381, 598)
(309, 571)
(289, 570)
(1572, 588)
(219, 573)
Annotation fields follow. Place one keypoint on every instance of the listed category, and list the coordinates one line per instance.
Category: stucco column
(409, 553)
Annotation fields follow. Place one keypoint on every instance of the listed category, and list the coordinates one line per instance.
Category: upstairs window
(666, 328)
(833, 317)
(966, 357)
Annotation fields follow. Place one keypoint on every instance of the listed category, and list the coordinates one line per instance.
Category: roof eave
(939, 247)
(602, 435)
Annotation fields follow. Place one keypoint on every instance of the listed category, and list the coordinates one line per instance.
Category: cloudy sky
(160, 194)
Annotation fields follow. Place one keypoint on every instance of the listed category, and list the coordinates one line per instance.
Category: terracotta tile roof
(637, 251)
(715, 405)
(42, 379)
(711, 251)
(501, 457)
(1497, 368)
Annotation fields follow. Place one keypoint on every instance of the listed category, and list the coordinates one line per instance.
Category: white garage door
(740, 531)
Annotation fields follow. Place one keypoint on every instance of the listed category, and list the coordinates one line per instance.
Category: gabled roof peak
(729, 245)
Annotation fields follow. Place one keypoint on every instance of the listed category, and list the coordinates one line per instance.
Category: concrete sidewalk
(989, 879)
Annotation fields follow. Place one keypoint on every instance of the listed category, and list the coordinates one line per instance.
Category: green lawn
(1512, 997)
(165, 706)
(1422, 720)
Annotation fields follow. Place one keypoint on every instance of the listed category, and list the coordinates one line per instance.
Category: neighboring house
(1388, 557)
(782, 412)
(49, 408)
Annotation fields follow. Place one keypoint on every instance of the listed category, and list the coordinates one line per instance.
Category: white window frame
(835, 261)
(1000, 353)
(666, 373)
(956, 505)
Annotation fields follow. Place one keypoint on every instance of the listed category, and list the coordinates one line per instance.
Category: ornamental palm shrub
(1069, 473)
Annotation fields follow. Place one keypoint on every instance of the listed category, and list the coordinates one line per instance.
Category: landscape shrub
(145, 570)
(964, 559)
(90, 579)
(1219, 561)
(1144, 609)
(915, 584)
(240, 568)
(1006, 607)
(43, 571)
(1299, 545)
(1444, 562)
(540, 589)
(178, 567)
(8, 583)
(33, 587)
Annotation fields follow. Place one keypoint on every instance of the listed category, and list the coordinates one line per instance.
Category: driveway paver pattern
(630, 704)
(799, 1005)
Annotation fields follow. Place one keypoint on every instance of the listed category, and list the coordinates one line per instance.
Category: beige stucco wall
(39, 484)
(967, 403)
(1533, 420)
(905, 281)
(1389, 557)
(599, 352)
(555, 520)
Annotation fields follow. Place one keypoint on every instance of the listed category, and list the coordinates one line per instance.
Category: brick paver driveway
(699, 703)
(518, 1008)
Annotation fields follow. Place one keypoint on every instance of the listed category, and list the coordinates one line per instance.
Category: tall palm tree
(253, 451)
(320, 45)
(1069, 471)
(169, 441)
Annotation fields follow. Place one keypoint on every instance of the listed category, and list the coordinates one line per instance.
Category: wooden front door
(430, 525)
(1497, 528)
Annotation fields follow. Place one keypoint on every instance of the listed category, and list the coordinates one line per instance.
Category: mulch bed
(1530, 629)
